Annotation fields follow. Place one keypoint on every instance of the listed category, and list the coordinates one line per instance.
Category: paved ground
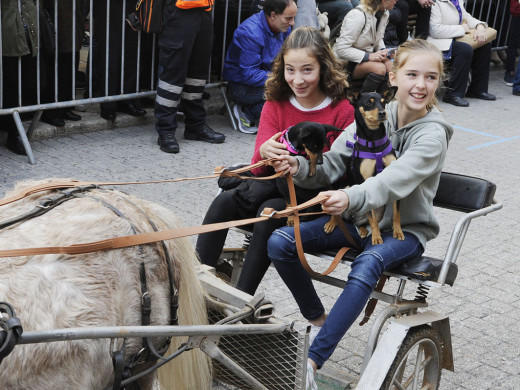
(484, 304)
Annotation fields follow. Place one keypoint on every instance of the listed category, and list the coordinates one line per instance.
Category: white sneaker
(310, 383)
(313, 333)
(244, 124)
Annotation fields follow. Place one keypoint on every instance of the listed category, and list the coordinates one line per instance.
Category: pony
(103, 288)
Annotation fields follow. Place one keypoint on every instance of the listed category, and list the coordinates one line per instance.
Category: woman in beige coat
(361, 44)
(449, 20)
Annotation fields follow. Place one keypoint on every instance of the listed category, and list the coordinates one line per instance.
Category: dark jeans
(516, 80)
(210, 245)
(463, 59)
(366, 270)
(251, 98)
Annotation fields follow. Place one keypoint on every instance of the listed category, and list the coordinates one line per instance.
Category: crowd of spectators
(366, 32)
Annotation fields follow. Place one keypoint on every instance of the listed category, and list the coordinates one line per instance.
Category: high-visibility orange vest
(187, 4)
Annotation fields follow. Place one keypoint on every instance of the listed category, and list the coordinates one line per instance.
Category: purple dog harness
(284, 139)
(371, 144)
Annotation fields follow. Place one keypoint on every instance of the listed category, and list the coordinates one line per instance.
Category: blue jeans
(250, 98)
(366, 270)
(516, 80)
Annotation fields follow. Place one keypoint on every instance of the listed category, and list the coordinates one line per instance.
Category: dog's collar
(284, 139)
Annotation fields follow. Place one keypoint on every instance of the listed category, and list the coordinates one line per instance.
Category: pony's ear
(388, 94)
(352, 95)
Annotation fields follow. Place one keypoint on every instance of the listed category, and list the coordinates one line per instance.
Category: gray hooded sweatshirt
(413, 178)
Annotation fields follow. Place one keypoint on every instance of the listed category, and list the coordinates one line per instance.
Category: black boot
(372, 82)
(15, 144)
(384, 84)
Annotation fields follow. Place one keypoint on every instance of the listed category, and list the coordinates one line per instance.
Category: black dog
(305, 139)
(372, 152)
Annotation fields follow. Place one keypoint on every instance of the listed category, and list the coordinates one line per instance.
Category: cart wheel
(418, 363)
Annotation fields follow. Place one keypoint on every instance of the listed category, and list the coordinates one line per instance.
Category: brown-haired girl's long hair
(407, 49)
(333, 79)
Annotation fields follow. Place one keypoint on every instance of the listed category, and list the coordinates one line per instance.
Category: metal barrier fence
(33, 84)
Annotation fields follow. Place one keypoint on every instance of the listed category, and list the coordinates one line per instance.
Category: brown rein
(147, 238)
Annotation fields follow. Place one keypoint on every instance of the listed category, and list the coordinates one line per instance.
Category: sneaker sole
(246, 130)
(241, 127)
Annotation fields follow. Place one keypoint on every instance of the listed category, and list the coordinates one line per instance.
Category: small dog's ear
(352, 95)
(388, 94)
(330, 128)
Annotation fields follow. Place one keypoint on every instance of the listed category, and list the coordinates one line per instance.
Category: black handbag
(47, 32)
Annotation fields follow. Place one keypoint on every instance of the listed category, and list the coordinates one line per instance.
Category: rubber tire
(427, 336)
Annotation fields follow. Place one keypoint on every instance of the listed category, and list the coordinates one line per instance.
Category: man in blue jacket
(255, 44)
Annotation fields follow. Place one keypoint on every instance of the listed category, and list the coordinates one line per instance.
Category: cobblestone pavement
(483, 305)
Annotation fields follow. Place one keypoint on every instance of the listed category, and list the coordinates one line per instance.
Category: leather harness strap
(147, 238)
(219, 171)
(371, 305)
(298, 237)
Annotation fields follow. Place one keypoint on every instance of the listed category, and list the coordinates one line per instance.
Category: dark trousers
(422, 23)
(336, 9)
(115, 54)
(463, 59)
(185, 53)
(10, 96)
(64, 81)
(513, 43)
(209, 245)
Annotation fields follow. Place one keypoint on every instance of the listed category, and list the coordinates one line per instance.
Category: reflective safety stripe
(191, 96)
(166, 102)
(187, 4)
(196, 82)
(169, 87)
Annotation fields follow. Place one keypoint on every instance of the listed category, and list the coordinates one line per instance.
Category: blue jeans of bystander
(516, 81)
(365, 272)
(250, 98)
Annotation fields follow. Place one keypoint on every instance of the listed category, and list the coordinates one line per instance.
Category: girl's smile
(417, 80)
(302, 74)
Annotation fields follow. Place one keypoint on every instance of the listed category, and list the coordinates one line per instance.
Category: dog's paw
(290, 221)
(399, 235)
(363, 232)
(376, 239)
(330, 226)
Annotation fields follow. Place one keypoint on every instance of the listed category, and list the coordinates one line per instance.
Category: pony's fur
(96, 289)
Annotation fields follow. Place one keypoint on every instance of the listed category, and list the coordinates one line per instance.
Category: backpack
(147, 16)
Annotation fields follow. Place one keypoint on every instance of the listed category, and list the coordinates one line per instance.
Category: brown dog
(372, 152)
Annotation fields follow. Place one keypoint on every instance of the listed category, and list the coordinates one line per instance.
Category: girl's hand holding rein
(336, 203)
(272, 148)
(287, 164)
